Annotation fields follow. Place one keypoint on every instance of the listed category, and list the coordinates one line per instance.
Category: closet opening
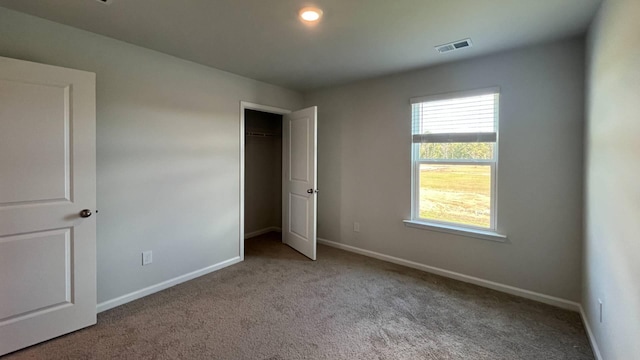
(278, 176)
(262, 174)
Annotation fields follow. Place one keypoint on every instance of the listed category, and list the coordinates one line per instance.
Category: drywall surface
(612, 193)
(263, 172)
(168, 150)
(364, 167)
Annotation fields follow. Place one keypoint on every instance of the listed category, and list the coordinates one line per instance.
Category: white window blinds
(469, 117)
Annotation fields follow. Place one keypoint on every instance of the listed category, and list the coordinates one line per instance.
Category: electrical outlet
(600, 308)
(356, 226)
(147, 257)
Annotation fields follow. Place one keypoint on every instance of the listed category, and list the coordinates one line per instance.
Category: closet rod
(259, 134)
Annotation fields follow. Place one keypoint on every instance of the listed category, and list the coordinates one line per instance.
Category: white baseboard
(547, 299)
(592, 339)
(110, 304)
(262, 231)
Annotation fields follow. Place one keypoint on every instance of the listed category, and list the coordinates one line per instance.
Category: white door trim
(244, 105)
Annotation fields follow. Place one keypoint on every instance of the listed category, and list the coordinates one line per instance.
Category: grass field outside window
(456, 194)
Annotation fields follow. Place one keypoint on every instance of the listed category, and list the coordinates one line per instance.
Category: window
(455, 158)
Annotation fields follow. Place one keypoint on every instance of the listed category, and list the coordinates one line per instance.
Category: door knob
(85, 213)
(309, 191)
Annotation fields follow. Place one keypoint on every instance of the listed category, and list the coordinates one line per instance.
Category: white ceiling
(356, 39)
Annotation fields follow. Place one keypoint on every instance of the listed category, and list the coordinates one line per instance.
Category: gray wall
(612, 191)
(364, 167)
(263, 172)
(167, 150)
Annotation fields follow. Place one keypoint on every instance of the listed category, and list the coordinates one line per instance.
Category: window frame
(493, 163)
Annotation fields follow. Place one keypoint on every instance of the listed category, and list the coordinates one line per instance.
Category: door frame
(245, 105)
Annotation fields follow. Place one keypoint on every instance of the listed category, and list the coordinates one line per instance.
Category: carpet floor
(279, 305)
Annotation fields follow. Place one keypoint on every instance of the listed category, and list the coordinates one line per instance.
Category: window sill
(474, 233)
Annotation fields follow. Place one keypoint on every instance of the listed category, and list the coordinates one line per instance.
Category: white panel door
(299, 181)
(47, 177)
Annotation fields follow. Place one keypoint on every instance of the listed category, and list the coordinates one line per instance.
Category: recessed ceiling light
(310, 14)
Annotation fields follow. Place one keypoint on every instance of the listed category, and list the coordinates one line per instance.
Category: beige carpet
(279, 305)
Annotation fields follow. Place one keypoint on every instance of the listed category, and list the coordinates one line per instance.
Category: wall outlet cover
(147, 257)
(600, 308)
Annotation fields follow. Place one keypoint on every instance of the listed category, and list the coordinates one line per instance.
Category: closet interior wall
(263, 172)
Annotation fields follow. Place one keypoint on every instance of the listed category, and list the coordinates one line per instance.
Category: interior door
(299, 190)
(47, 178)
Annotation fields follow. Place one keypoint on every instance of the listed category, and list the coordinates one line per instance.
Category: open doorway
(263, 173)
(278, 181)
(260, 128)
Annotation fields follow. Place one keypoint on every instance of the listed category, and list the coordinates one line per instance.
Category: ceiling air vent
(456, 45)
(106, 2)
